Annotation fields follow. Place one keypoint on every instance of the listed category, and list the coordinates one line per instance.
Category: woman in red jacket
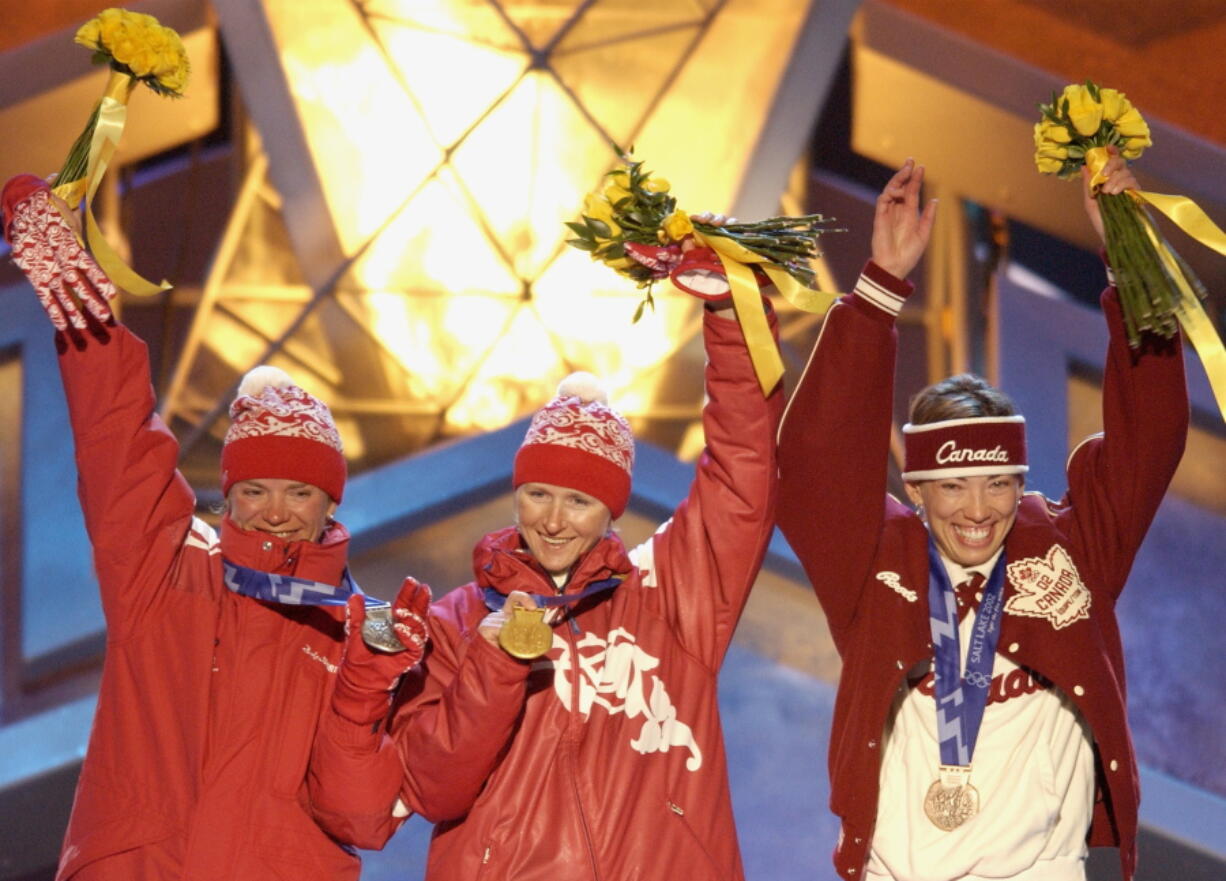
(577, 735)
(221, 649)
(979, 728)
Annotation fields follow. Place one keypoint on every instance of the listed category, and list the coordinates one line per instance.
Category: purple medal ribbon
(291, 591)
(494, 601)
(961, 699)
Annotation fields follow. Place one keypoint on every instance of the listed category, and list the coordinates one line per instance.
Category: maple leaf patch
(1048, 587)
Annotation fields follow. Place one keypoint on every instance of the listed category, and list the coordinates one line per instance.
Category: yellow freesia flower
(1052, 151)
(1115, 104)
(1134, 147)
(137, 42)
(1085, 113)
(656, 185)
(597, 207)
(615, 193)
(1132, 125)
(89, 34)
(1047, 165)
(1046, 130)
(678, 225)
(620, 263)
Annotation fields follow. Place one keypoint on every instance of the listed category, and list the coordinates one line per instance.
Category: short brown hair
(959, 397)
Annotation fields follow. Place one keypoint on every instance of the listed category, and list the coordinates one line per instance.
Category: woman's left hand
(1119, 178)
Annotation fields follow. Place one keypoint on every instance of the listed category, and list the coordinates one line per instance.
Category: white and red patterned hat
(278, 431)
(578, 441)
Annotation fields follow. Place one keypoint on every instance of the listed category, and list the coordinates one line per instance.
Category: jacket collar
(501, 561)
(322, 561)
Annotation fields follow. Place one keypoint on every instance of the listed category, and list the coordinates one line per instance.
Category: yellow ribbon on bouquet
(112, 116)
(1192, 219)
(763, 352)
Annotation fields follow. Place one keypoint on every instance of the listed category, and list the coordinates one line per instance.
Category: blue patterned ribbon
(291, 591)
(494, 601)
(961, 696)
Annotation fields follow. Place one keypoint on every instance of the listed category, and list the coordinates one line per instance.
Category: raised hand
(1119, 178)
(366, 677)
(47, 249)
(900, 230)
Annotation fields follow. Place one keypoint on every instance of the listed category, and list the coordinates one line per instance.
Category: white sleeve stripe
(885, 300)
(202, 536)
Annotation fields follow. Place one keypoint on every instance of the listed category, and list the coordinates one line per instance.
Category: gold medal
(951, 800)
(526, 635)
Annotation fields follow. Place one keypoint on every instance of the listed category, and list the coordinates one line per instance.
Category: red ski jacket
(209, 700)
(603, 759)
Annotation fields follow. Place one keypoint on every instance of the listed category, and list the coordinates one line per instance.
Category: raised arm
(705, 559)
(834, 443)
(137, 507)
(1118, 479)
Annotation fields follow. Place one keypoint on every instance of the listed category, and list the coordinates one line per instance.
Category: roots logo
(893, 581)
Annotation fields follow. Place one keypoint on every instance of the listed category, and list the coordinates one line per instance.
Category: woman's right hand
(491, 625)
(47, 248)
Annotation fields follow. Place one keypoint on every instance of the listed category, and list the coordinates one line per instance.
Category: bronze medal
(377, 631)
(526, 635)
(951, 800)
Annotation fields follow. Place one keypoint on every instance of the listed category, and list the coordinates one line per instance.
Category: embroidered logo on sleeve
(1048, 587)
(893, 581)
(202, 536)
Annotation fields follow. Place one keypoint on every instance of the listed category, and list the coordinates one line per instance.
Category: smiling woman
(980, 706)
(564, 722)
(559, 524)
(286, 509)
(205, 734)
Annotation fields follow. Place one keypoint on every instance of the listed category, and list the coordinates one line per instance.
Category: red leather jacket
(603, 759)
(209, 700)
(868, 560)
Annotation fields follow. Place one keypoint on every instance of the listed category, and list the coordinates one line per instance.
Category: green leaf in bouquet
(579, 229)
(599, 227)
(643, 304)
(581, 244)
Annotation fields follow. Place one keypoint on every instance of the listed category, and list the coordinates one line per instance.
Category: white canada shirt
(1033, 766)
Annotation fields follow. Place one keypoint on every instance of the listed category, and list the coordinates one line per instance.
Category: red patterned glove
(701, 273)
(63, 274)
(366, 678)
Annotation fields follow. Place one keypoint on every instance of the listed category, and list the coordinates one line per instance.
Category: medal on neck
(289, 590)
(526, 635)
(961, 696)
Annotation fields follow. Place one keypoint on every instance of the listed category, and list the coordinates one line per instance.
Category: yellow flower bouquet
(1075, 130)
(138, 50)
(633, 226)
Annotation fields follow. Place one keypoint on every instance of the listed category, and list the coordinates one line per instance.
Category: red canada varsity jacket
(1068, 560)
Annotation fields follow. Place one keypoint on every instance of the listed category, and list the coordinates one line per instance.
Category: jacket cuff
(350, 736)
(882, 290)
(492, 658)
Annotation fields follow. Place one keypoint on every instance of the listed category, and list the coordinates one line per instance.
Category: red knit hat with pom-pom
(278, 431)
(578, 441)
